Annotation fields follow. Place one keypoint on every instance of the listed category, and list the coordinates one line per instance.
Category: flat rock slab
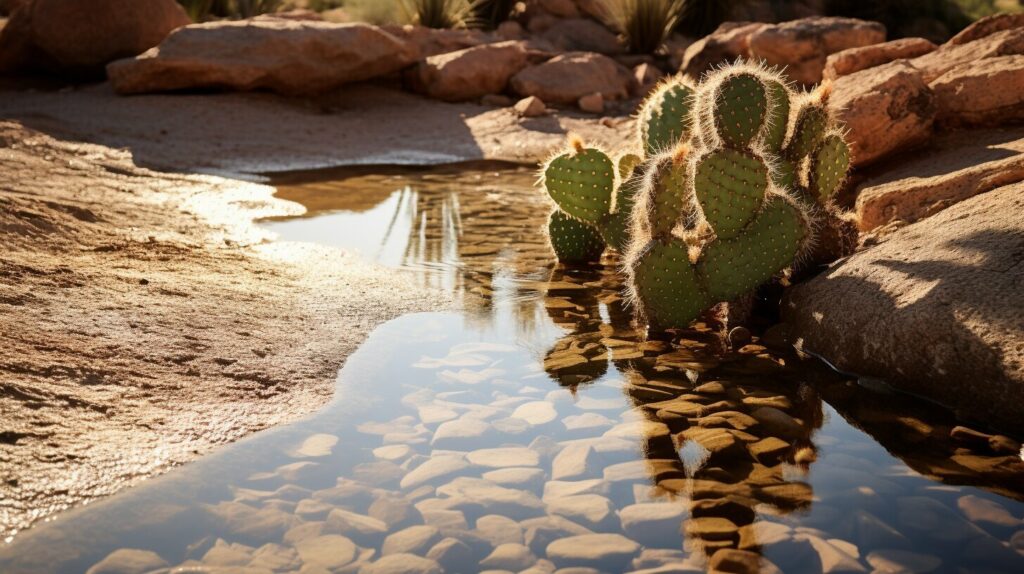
(937, 309)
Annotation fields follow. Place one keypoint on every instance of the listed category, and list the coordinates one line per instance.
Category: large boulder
(886, 109)
(986, 27)
(566, 78)
(999, 43)
(288, 57)
(853, 60)
(434, 41)
(936, 309)
(582, 35)
(955, 167)
(727, 43)
(803, 45)
(986, 92)
(84, 35)
(471, 73)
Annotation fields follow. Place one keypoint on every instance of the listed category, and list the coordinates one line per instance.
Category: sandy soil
(144, 318)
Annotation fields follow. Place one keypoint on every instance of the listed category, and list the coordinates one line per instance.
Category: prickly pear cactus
(596, 193)
(731, 206)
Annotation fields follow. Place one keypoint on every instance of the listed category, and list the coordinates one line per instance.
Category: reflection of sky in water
(857, 500)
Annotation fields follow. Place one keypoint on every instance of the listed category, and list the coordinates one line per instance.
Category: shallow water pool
(539, 430)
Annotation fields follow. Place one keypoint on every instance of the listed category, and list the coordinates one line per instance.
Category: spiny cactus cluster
(724, 198)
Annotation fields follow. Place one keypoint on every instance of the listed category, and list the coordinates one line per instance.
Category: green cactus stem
(664, 118)
(581, 183)
(574, 241)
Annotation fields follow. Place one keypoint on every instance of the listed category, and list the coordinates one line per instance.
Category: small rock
(531, 107)
(978, 509)
(537, 413)
(574, 462)
(224, 554)
(504, 457)
(395, 512)
(777, 422)
(902, 561)
(712, 528)
(460, 433)
(361, 529)
(434, 470)
(402, 564)
(471, 73)
(656, 524)
(499, 530)
(475, 493)
(452, 554)
(509, 556)
(769, 451)
(129, 561)
(521, 478)
(540, 532)
(735, 562)
(609, 552)
(413, 540)
(566, 78)
(393, 452)
(592, 511)
(329, 551)
(592, 103)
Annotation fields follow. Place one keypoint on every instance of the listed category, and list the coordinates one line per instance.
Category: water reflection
(509, 436)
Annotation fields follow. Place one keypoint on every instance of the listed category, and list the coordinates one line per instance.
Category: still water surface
(539, 430)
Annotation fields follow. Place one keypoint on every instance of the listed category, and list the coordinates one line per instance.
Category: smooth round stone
(536, 413)
(313, 509)
(316, 446)
(413, 540)
(276, 558)
(504, 457)
(983, 510)
(402, 564)
(590, 510)
(633, 470)
(224, 554)
(833, 558)
(732, 560)
(129, 561)
(475, 493)
(434, 413)
(329, 551)
(362, 529)
(434, 470)
(587, 422)
(393, 452)
(559, 488)
(609, 552)
(711, 528)
(499, 530)
(635, 430)
(452, 554)
(460, 433)
(510, 556)
(574, 462)
(655, 525)
(544, 530)
(902, 562)
(777, 423)
(522, 478)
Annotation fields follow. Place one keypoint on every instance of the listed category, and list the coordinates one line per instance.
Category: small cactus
(733, 206)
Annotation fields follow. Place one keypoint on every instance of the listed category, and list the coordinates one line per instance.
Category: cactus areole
(718, 197)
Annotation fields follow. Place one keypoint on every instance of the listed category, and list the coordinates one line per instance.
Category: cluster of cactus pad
(721, 198)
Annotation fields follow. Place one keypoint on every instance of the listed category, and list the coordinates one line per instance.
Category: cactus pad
(574, 241)
(581, 183)
(778, 115)
(667, 284)
(740, 108)
(665, 116)
(730, 187)
(811, 123)
(828, 166)
(732, 267)
(667, 200)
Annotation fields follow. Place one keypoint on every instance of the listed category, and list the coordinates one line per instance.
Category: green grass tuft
(645, 24)
(437, 13)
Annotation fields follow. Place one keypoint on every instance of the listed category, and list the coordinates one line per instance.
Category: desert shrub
(645, 24)
(197, 10)
(487, 14)
(436, 13)
(373, 11)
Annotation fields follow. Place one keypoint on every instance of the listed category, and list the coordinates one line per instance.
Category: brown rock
(7, 7)
(777, 422)
(582, 35)
(986, 27)
(927, 309)
(647, 77)
(471, 73)
(735, 562)
(531, 107)
(433, 41)
(769, 451)
(853, 60)
(592, 103)
(17, 52)
(568, 77)
(948, 56)
(802, 46)
(730, 41)
(283, 56)
(886, 109)
(986, 92)
(84, 35)
(954, 168)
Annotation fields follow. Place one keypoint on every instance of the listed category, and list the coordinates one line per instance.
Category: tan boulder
(955, 167)
(986, 27)
(802, 46)
(948, 56)
(886, 109)
(853, 60)
(433, 41)
(730, 41)
(568, 77)
(284, 56)
(933, 310)
(471, 73)
(986, 92)
(530, 107)
(582, 35)
(84, 35)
